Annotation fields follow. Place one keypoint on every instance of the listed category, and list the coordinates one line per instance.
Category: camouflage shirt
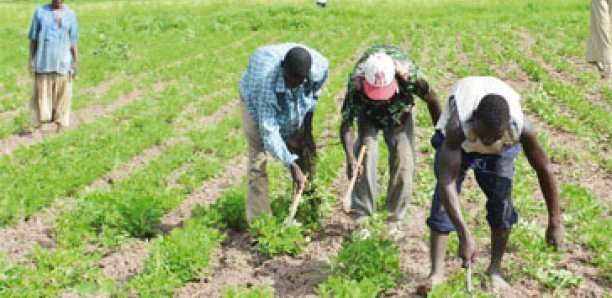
(383, 113)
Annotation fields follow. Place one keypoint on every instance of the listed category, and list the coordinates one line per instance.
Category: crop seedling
(370, 255)
(273, 238)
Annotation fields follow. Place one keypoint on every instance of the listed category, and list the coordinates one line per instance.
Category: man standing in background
(53, 62)
(599, 47)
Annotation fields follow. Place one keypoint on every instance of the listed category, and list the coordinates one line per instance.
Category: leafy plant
(273, 238)
(369, 255)
(140, 217)
(231, 208)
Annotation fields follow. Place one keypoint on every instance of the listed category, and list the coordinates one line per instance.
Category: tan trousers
(257, 201)
(599, 46)
(51, 99)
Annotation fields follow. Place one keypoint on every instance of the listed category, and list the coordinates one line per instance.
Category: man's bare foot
(60, 128)
(429, 283)
(497, 281)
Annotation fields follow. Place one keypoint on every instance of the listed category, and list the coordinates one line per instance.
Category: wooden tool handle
(294, 205)
(346, 200)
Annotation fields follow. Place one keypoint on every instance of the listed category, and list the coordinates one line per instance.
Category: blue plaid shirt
(278, 110)
(54, 41)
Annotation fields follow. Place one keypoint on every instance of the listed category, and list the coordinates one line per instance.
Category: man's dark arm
(449, 168)
(33, 49)
(308, 123)
(347, 137)
(539, 162)
(74, 50)
(428, 95)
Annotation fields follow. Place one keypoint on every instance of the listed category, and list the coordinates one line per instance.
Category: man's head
(57, 3)
(296, 66)
(490, 119)
(379, 82)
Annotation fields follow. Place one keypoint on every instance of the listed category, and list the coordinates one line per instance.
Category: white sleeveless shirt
(468, 93)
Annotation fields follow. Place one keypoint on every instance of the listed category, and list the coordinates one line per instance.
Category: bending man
(482, 127)
(380, 96)
(279, 92)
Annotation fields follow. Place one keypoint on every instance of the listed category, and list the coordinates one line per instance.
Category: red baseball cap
(379, 82)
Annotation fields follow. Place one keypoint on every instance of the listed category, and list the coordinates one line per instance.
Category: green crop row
(115, 139)
(100, 221)
(37, 175)
(542, 101)
(593, 118)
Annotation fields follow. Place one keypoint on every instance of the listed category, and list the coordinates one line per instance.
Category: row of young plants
(366, 265)
(175, 259)
(543, 101)
(593, 119)
(587, 219)
(553, 50)
(98, 146)
(101, 221)
(549, 48)
(35, 176)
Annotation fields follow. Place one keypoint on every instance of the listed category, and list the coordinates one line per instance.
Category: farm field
(143, 195)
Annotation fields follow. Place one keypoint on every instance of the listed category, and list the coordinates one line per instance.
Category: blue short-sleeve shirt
(54, 39)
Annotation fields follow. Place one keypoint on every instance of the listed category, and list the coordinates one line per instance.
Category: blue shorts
(494, 174)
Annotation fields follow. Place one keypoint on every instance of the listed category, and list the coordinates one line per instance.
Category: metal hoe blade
(468, 278)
